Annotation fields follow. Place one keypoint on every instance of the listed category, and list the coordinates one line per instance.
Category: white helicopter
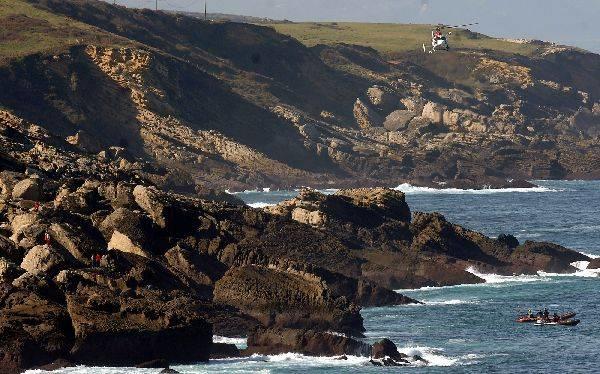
(440, 40)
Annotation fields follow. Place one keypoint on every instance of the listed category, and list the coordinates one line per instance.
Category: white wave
(496, 278)
(585, 273)
(410, 189)
(260, 205)
(436, 357)
(239, 342)
(541, 275)
(449, 302)
(590, 255)
(296, 359)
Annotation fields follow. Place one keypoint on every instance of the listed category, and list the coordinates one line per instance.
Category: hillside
(238, 106)
(391, 40)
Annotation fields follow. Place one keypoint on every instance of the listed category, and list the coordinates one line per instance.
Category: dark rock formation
(308, 342)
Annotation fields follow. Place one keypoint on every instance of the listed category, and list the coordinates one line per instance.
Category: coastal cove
(471, 328)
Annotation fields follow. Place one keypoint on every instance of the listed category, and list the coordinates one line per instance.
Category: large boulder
(46, 259)
(132, 232)
(81, 242)
(28, 189)
(398, 120)
(387, 348)
(308, 342)
(365, 116)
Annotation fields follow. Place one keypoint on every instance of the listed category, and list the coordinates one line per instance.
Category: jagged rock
(85, 142)
(509, 240)
(28, 189)
(45, 259)
(398, 120)
(414, 104)
(308, 342)
(130, 232)
(202, 269)
(83, 200)
(387, 348)
(79, 241)
(10, 251)
(223, 350)
(8, 180)
(587, 122)
(9, 271)
(434, 112)
(119, 194)
(366, 117)
(150, 200)
(381, 98)
(594, 263)
(21, 222)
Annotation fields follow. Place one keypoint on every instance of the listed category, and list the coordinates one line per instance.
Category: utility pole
(205, 10)
(156, 8)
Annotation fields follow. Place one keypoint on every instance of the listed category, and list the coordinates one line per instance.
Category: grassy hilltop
(392, 39)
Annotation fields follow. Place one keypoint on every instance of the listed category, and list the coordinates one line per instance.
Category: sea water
(471, 328)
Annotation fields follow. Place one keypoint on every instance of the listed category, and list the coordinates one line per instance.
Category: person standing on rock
(47, 240)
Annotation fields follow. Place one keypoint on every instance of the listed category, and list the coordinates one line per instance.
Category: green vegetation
(391, 39)
(28, 30)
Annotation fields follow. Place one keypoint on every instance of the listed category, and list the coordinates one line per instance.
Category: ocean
(471, 328)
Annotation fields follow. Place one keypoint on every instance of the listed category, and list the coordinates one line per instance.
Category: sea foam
(410, 189)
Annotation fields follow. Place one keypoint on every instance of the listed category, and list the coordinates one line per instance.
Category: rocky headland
(117, 248)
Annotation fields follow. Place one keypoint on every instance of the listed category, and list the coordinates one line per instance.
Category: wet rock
(508, 240)
(387, 348)
(223, 350)
(154, 364)
(55, 365)
(594, 263)
(308, 342)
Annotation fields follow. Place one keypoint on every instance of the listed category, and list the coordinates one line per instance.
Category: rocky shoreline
(173, 270)
(119, 248)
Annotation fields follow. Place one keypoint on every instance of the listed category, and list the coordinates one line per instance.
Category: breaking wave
(436, 356)
(410, 189)
(239, 342)
(261, 205)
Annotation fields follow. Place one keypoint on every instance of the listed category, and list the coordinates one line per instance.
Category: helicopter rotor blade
(458, 26)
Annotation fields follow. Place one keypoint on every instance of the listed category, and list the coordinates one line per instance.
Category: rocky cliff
(115, 251)
(227, 105)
